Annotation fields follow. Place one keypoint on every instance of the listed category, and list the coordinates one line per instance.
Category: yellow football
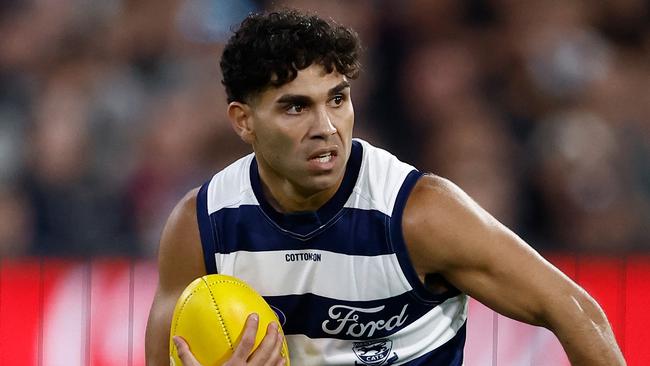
(210, 315)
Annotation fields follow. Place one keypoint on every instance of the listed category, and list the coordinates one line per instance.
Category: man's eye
(337, 100)
(295, 109)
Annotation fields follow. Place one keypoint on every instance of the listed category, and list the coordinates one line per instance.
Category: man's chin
(323, 182)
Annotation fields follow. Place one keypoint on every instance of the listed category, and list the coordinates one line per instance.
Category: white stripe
(380, 178)
(231, 187)
(431, 331)
(338, 276)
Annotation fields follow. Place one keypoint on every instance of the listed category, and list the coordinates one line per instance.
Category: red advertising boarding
(55, 312)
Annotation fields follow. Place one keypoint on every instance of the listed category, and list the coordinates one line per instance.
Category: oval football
(210, 315)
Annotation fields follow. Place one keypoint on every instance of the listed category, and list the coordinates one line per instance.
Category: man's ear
(241, 121)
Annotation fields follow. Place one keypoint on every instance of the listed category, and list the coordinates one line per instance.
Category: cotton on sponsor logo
(308, 257)
(347, 319)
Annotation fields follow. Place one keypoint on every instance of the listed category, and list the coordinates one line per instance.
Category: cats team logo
(375, 353)
(280, 314)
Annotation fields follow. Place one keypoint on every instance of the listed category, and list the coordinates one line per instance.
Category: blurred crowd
(110, 110)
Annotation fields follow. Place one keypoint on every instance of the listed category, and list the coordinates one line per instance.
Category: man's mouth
(323, 158)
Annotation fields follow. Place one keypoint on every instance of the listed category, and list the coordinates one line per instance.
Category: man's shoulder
(440, 208)
(432, 191)
(185, 210)
(433, 185)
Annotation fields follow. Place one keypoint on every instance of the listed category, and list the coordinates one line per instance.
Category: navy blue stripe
(321, 317)
(353, 231)
(399, 245)
(208, 241)
(449, 354)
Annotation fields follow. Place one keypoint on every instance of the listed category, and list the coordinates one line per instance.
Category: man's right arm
(180, 261)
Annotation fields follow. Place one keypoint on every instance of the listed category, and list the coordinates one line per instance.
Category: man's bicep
(450, 234)
(180, 260)
(180, 256)
(508, 276)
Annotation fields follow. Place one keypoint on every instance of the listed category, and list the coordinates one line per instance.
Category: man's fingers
(247, 341)
(184, 352)
(267, 351)
(277, 359)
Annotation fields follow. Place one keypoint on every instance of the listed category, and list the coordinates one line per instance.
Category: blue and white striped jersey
(339, 278)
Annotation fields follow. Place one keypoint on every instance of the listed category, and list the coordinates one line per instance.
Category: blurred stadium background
(110, 110)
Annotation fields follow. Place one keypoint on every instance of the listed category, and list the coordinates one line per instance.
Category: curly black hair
(269, 50)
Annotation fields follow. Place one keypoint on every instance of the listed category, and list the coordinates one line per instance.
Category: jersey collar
(305, 222)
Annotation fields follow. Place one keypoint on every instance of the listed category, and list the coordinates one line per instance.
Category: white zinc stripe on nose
(413, 341)
(318, 272)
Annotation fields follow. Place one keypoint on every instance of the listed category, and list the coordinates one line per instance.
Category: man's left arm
(448, 233)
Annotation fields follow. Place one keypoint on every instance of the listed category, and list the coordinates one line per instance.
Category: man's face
(302, 131)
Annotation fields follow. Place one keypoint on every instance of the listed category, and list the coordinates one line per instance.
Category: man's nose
(323, 126)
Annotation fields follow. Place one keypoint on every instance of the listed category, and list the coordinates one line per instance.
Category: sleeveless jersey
(340, 279)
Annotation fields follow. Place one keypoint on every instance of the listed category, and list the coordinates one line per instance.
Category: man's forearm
(586, 335)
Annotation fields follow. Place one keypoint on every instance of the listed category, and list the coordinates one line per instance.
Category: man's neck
(285, 198)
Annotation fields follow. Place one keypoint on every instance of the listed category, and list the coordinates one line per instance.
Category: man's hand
(267, 353)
